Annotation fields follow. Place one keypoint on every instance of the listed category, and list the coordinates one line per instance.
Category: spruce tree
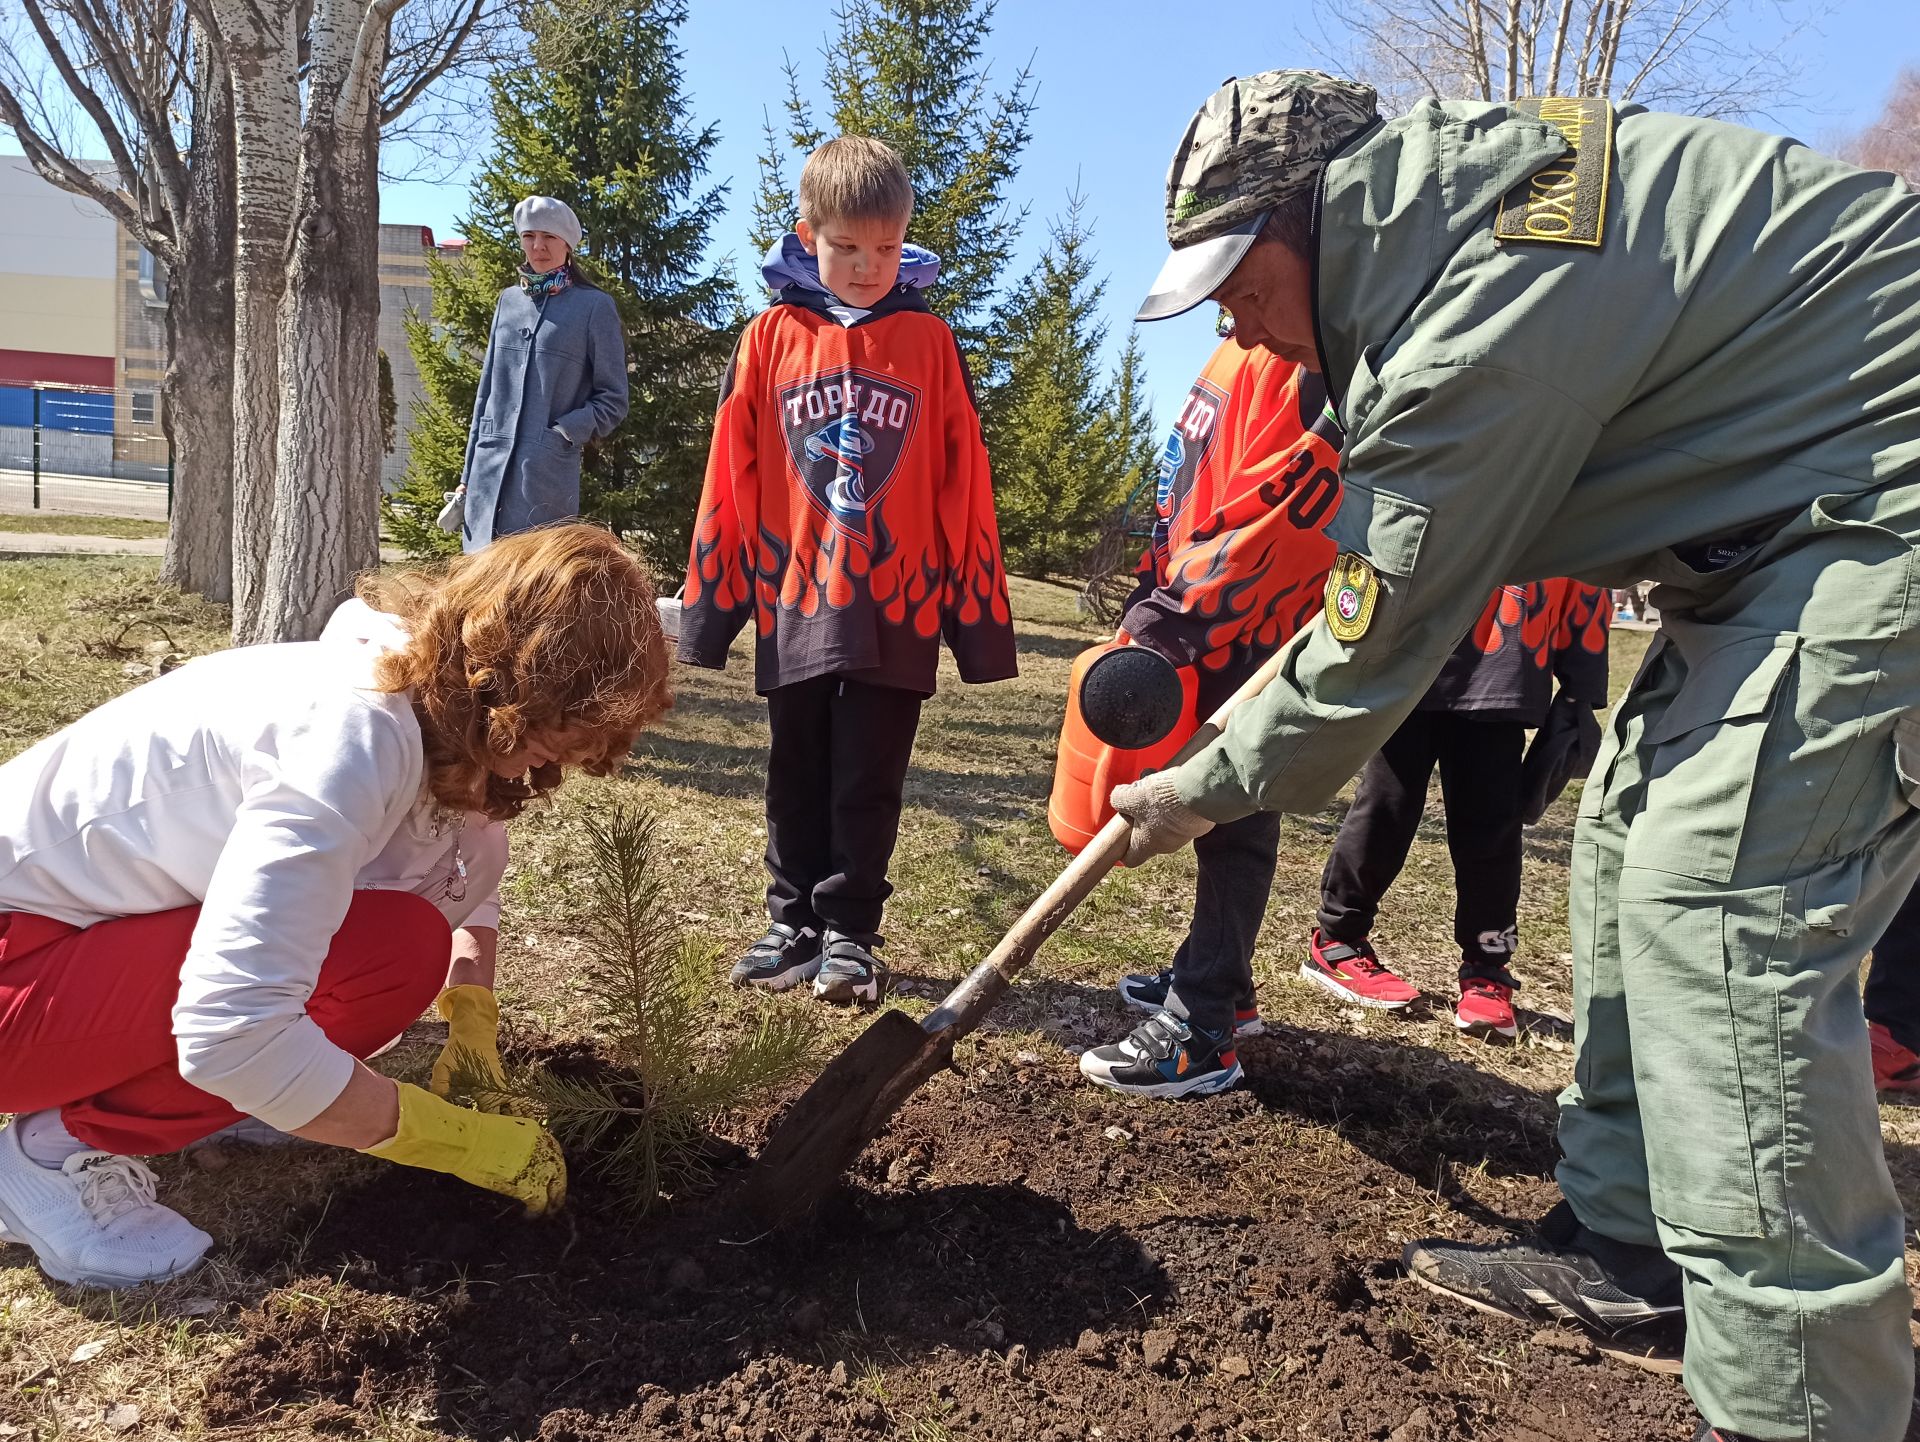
(598, 119)
(1066, 443)
(1133, 453)
(1126, 426)
(910, 72)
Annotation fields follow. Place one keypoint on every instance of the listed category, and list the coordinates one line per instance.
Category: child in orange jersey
(1472, 725)
(1238, 564)
(848, 511)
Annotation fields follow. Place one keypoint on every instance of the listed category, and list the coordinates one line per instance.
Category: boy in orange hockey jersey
(1250, 473)
(848, 510)
(1498, 684)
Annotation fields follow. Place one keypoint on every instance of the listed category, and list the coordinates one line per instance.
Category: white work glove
(453, 515)
(1162, 822)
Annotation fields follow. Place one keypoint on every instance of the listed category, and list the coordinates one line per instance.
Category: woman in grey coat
(555, 377)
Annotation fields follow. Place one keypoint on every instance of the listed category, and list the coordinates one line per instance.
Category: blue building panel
(83, 412)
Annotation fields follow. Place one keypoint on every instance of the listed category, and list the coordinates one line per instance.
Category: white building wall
(57, 255)
(48, 231)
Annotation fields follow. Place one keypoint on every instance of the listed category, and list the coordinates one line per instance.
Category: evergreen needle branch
(639, 1115)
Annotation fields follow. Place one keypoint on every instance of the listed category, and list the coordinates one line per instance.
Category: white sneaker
(94, 1222)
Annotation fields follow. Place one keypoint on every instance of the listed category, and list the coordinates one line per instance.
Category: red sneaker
(1486, 1008)
(1353, 973)
(1895, 1069)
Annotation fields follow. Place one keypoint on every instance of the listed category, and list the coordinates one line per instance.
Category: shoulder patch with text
(1566, 203)
(1353, 590)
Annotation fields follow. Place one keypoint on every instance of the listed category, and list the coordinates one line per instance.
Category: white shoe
(94, 1222)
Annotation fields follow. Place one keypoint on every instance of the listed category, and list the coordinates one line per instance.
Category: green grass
(76, 632)
(41, 523)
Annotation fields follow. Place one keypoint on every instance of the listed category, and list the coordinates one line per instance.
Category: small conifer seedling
(640, 1117)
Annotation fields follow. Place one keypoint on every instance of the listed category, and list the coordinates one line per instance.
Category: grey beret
(543, 212)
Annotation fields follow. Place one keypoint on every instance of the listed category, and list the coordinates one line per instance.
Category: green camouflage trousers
(1747, 833)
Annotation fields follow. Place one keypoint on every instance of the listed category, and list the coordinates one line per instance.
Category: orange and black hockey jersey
(848, 506)
(1528, 637)
(1249, 475)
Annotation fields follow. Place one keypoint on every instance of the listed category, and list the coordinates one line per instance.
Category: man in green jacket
(1566, 339)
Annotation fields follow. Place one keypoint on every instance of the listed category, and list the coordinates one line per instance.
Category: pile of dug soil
(1018, 1259)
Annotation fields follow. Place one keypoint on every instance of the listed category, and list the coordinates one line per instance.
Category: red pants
(86, 1016)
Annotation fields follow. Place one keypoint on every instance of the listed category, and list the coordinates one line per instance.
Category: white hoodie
(267, 784)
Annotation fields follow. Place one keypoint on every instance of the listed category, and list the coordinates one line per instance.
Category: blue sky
(1118, 80)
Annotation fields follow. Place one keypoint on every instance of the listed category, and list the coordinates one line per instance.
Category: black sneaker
(1567, 1274)
(1705, 1433)
(849, 971)
(780, 960)
(1147, 991)
(1164, 1057)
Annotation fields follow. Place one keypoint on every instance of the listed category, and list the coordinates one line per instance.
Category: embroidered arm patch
(1566, 203)
(1353, 591)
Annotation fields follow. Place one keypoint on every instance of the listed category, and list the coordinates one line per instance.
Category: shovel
(858, 1092)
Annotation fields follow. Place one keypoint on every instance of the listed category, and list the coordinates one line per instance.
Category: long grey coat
(554, 378)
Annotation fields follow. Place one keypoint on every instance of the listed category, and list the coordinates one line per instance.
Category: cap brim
(1194, 272)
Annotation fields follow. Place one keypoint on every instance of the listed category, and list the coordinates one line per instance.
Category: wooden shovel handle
(968, 1002)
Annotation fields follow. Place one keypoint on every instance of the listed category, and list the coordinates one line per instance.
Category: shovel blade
(825, 1129)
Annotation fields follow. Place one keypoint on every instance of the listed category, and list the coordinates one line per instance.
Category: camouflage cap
(1256, 142)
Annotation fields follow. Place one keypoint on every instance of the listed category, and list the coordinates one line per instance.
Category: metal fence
(81, 451)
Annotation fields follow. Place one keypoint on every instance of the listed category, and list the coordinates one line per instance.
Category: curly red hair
(550, 631)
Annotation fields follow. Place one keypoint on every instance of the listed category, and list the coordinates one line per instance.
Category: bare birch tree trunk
(1560, 25)
(1687, 55)
(327, 485)
(198, 387)
(261, 46)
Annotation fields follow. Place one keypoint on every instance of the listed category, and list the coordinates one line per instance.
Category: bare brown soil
(1001, 1267)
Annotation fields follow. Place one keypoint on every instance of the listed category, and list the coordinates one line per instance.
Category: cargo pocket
(1704, 752)
(1695, 1098)
(1385, 530)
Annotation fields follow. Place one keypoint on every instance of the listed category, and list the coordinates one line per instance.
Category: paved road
(38, 543)
(82, 496)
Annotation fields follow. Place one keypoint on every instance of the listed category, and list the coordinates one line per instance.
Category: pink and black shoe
(1352, 972)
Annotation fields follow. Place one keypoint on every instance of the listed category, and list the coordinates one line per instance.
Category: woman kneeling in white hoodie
(221, 890)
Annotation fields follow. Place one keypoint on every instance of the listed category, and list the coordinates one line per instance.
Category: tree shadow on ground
(747, 713)
(1071, 1014)
(1019, 730)
(577, 1312)
(1409, 1107)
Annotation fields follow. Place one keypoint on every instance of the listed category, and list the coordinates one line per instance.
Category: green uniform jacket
(1745, 339)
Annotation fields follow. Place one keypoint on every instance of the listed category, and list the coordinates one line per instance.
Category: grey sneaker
(1568, 1273)
(849, 971)
(1148, 991)
(780, 960)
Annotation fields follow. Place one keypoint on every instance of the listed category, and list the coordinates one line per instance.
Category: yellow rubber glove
(473, 1045)
(508, 1155)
